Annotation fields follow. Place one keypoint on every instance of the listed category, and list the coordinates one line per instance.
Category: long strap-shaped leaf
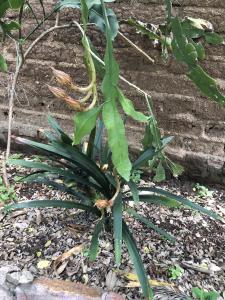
(64, 189)
(53, 203)
(144, 157)
(117, 225)
(136, 259)
(66, 174)
(183, 201)
(134, 191)
(150, 224)
(93, 252)
(73, 155)
(64, 137)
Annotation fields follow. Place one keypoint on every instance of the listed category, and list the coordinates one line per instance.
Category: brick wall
(197, 123)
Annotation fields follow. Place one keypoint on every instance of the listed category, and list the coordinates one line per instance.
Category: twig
(143, 53)
(4, 173)
(15, 78)
(196, 268)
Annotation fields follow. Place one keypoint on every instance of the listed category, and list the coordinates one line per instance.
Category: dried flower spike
(58, 92)
(62, 77)
(102, 204)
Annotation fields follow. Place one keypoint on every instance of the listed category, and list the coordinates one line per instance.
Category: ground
(35, 237)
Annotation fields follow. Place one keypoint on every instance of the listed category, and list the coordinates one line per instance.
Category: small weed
(201, 294)
(37, 158)
(16, 156)
(176, 272)
(6, 194)
(136, 176)
(202, 191)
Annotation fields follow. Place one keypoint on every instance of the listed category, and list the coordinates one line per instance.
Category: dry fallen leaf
(66, 255)
(48, 243)
(134, 282)
(43, 264)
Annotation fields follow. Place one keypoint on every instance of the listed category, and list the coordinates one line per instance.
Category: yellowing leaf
(132, 277)
(38, 253)
(75, 250)
(48, 243)
(43, 264)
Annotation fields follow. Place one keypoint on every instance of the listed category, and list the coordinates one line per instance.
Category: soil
(28, 237)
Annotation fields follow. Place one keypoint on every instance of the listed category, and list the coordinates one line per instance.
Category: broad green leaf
(117, 139)
(136, 259)
(129, 109)
(113, 122)
(148, 138)
(200, 50)
(148, 223)
(206, 84)
(52, 203)
(93, 252)
(96, 16)
(213, 38)
(117, 226)
(160, 174)
(84, 123)
(168, 4)
(7, 27)
(3, 64)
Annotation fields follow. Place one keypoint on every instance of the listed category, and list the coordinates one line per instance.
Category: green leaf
(15, 4)
(142, 27)
(147, 155)
(84, 123)
(136, 259)
(84, 13)
(134, 191)
(72, 154)
(184, 201)
(96, 16)
(117, 139)
(65, 173)
(93, 252)
(175, 168)
(148, 223)
(117, 226)
(13, 25)
(206, 84)
(160, 173)
(200, 50)
(159, 200)
(52, 203)
(3, 64)
(213, 38)
(64, 137)
(129, 109)
(113, 122)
